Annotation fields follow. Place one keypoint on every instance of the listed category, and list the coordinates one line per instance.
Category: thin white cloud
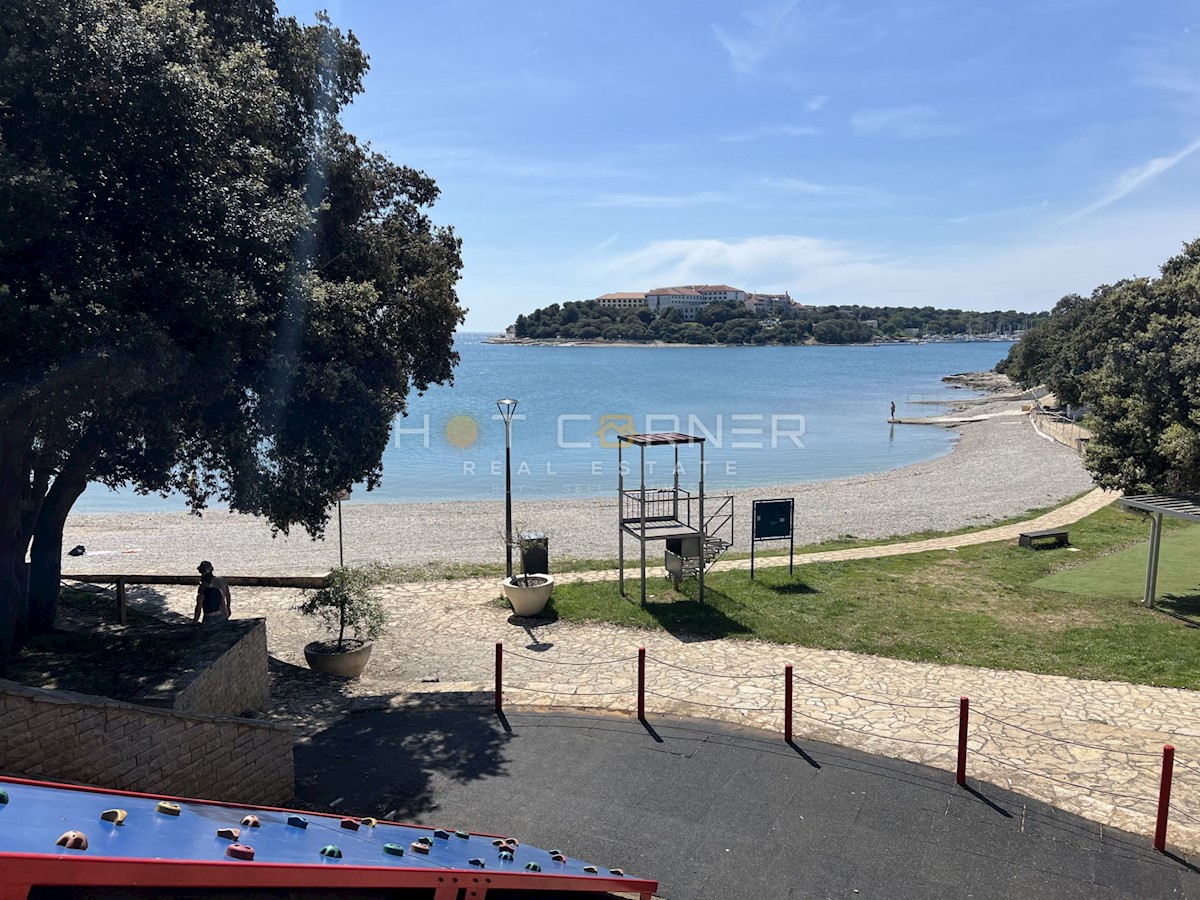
(1133, 179)
(903, 121)
(769, 28)
(816, 189)
(993, 214)
(773, 131)
(659, 201)
(816, 103)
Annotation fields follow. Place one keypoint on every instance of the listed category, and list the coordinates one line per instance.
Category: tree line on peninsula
(1130, 354)
(728, 322)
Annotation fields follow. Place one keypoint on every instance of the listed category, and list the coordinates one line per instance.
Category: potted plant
(347, 602)
(529, 592)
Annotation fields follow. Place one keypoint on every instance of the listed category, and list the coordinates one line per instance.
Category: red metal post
(641, 682)
(964, 708)
(1164, 799)
(499, 675)
(787, 703)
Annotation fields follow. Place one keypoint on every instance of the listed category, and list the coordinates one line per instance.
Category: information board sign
(773, 521)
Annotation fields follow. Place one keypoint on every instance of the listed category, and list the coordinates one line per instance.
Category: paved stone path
(1091, 747)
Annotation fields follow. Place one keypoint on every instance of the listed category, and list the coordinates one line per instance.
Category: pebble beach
(999, 468)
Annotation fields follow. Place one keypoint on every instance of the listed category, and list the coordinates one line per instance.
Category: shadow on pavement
(717, 811)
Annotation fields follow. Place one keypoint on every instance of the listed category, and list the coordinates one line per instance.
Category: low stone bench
(1055, 537)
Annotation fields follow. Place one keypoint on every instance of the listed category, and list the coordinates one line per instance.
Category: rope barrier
(531, 690)
(670, 665)
(1060, 740)
(716, 705)
(873, 734)
(563, 662)
(872, 702)
(1079, 787)
(879, 701)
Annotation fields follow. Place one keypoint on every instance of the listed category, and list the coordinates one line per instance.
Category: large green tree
(206, 284)
(1131, 353)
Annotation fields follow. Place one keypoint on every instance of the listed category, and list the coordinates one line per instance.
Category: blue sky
(978, 155)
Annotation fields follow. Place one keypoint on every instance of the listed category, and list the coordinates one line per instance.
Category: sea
(769, 415)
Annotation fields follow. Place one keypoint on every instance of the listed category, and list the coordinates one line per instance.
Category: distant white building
(687, 300)
(767, 304)
(623, 300)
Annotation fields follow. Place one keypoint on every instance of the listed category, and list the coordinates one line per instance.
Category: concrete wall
(59, 735)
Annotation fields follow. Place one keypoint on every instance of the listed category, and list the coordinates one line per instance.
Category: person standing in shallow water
(893, 415)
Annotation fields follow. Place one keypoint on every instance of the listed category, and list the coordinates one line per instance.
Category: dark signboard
(772, 519)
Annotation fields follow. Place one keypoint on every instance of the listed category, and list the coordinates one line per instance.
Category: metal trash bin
(535, 552)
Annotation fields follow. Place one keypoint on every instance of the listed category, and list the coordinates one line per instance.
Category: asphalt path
(714, 811)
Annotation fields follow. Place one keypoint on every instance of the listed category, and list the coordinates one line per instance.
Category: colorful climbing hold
(229, 834)
(393, 849)
(167, 808)
(251, 821)
(3, 796)
(506, 855)
(441, 833)
(73, 840)
(462, 834)
(617, 871)
(297, 821)
(352, 824)
(558, 857)
(533, 867)
(425, 840)
(240, 851)
(476, 862)
(331, 851)
(116, 816)
(418, 847)
(370, 822)
(591, 870)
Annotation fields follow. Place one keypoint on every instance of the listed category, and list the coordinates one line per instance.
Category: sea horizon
(770, 415)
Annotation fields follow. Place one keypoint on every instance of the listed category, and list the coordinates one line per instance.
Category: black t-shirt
(214, 600)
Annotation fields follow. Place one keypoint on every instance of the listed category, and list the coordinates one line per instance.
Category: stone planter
(323, 656)
(528, 599)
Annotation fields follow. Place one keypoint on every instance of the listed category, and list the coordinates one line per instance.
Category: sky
(982, 155)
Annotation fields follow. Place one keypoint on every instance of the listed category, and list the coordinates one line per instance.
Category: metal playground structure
(696, 530)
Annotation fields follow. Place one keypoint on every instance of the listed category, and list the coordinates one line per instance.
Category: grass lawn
(1122, 575)
(978, 606)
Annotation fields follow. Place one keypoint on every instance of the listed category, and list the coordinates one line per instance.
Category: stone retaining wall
(227, 676)
(60, 735)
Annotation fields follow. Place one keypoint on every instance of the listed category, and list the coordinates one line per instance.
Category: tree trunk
(15, 497)
(45, 575)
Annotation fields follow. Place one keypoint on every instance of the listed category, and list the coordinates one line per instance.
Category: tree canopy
(729, 322)
(1131, 353)
(206, 283)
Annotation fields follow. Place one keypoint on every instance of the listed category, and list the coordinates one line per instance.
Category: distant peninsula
(721, 314)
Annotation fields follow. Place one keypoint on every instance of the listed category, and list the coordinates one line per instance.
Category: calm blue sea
(772, 415)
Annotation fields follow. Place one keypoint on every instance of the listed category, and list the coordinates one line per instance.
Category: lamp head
(507, 408)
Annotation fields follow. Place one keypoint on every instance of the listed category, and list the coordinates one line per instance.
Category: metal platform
(158, 843)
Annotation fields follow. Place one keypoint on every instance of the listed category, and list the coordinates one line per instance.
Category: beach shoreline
(998, 468)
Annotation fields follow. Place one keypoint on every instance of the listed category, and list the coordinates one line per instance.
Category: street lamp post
(507, 408)
(341, 554)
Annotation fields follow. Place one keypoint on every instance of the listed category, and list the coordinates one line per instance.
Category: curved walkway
(1090, 747)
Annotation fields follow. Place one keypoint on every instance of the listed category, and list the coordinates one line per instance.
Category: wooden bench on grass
(1056, 537)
